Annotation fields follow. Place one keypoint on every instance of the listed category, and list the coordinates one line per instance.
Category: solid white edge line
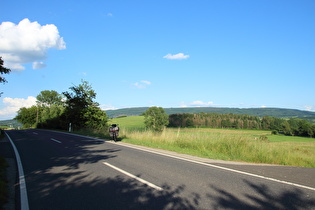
(23, 191)
(56, 140)
(134, 177)
(223, 168)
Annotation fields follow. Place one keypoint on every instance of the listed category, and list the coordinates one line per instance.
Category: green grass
(129, 123)
(254, 146)
(282, 138)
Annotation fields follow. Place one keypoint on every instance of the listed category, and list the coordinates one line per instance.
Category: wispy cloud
(107, 107)
(179, 56)
(309, 108)
(142, 84)
(39, 65)
(197, 104)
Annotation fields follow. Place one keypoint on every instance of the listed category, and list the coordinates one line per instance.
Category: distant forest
(259, 112)
(291, 127)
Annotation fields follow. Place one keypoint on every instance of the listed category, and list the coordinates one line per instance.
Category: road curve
(64, 171)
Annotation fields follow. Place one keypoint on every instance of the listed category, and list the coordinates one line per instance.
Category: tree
(49, 97)
(155, 118)
(81, 109)
(3, 70)
(27, 116)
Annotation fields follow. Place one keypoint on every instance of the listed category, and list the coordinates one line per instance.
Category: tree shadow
(262, 198)
(109, 193)
(63, 179)
(80, 190)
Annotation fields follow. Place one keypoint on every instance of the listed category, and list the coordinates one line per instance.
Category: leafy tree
(49, 97)
(3, 70)
(95, 118)
(27, 116)
(81, 109)
(287, 128)
(155, 118)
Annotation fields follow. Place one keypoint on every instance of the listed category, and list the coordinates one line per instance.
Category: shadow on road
(263, 198)
(110, 193)
(66, 183)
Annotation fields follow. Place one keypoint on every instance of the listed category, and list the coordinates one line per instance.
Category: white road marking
(211, 165)
(23, 192)
(223, 168)
(56, 140)
(134, 177)
(35, 133)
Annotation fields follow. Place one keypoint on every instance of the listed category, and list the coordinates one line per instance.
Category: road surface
(65, 171)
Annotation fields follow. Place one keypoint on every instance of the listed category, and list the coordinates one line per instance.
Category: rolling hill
(260, 112)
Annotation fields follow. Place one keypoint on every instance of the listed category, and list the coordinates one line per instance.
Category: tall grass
(254, 146)
(236, 145)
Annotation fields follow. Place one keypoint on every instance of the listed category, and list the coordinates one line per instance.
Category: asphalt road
(64, 171)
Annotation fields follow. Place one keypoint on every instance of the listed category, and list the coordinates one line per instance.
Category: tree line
(75, 108)
(291, 127)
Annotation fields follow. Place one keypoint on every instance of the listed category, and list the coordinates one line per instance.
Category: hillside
(260, 112)
(10, 123)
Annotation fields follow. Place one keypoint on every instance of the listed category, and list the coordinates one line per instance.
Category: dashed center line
(134, 177)
(56, 140)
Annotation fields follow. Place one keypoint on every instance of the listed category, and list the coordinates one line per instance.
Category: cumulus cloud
(179, 56)
(142, 84)
(27, 42)
(12, 105)
(197, 104)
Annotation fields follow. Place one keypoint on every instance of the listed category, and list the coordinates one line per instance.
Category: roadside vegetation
(256, 146)
(210, 135)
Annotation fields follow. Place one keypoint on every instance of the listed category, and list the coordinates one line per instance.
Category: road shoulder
(297, 175)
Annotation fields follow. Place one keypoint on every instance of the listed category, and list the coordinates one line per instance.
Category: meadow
(255, 146)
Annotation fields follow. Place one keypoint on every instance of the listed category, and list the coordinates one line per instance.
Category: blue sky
(161, 53)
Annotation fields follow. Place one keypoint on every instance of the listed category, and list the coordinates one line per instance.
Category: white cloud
(27, 42)
(309, 108)
(39, 65)
(142, 84)
(197, 104)
(179, 56)
(107, 107)
(12, 105)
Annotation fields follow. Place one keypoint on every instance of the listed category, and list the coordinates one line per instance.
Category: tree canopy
(49, 97)
(3, 70)
(81, 109)
(155, 118)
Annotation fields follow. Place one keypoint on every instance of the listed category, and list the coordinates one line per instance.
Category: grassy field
(254, 146)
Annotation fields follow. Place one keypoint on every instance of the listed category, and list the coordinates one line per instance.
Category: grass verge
(255, 146)
(234, 145)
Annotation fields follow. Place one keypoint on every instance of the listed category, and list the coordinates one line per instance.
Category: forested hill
(273, 112)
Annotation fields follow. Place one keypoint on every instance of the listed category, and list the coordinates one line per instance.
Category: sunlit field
(254, 146)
